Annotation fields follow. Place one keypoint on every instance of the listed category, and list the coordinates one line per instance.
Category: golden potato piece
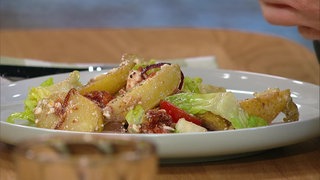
(113, 81)
(45, 112)
(214, 122)
(70, 111)
(147, 94)
(270, 103)
(291, 112)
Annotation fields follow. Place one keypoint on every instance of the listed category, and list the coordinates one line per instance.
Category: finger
(309, 33)
(276, 1)
(279, 14)
(290, 13)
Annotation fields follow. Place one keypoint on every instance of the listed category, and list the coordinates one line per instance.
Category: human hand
(305, 14)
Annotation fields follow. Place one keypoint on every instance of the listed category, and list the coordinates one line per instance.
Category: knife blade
(34, 71)
(29, 68)
(16, 68)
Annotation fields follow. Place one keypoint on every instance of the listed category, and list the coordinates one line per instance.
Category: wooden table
(233, 50)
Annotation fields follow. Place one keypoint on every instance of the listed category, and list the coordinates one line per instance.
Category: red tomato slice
(176, 113)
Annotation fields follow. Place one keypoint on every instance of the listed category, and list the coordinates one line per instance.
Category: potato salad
(149, 97)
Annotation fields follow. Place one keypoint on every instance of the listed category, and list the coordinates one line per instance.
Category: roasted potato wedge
(112, 81)
(46, 111)
(214, 122)
(270, 103)
(69, 111)
(147, 94)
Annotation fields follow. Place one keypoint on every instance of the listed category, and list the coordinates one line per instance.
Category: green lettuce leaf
(191, 84)
(135, 116)
(34, 96)
(255, 121)
(45, 89)
(223, 104)
(144, 64)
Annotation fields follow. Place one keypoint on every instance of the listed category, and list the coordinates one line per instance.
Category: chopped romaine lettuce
(135, 116)
(223, 104)
(192, 84)
(255, 121)
(144, 64)
(64, 86)
(45, 89)
(195, 85)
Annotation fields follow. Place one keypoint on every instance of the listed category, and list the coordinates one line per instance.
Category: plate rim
(315, 120)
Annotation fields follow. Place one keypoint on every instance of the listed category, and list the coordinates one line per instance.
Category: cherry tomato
(176, 113)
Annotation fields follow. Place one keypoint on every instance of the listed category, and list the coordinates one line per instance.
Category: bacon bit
(101, 98)
(158, 121)
(61, 112)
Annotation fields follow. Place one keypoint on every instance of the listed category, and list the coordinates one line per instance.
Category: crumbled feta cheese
(51, 110)
(37, 110)
(168, 128)
(135, 128)
(107, 112)
(57, 105)
(133, 79)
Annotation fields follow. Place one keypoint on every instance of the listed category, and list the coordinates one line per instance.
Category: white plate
(203, 146)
